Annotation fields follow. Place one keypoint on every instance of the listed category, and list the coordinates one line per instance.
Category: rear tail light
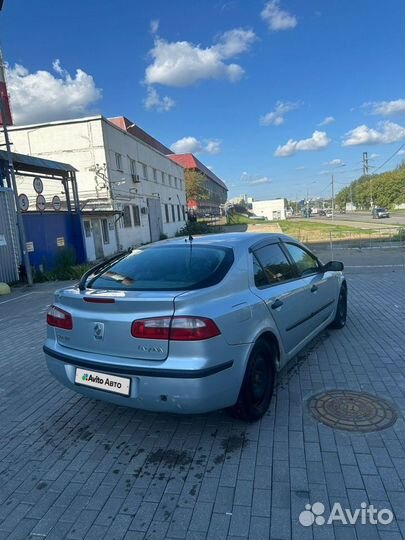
(175, 328)
(59, 318)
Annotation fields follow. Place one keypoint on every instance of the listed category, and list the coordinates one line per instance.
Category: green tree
(386, 189)
(195, 186)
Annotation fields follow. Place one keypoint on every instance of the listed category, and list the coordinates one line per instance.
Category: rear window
(167, 268)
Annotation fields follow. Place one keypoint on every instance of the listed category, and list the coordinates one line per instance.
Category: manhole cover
(352, 411)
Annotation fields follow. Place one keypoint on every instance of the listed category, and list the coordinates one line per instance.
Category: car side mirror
(333, 266)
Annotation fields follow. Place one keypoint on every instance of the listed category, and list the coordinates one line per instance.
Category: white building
(130, 192)
(272, 209)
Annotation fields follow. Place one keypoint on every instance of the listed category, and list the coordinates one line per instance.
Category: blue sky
(233, 81)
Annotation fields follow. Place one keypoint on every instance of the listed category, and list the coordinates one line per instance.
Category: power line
(389, 159)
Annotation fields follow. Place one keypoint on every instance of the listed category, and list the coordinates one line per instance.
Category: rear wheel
(258, 384)
(341, 312)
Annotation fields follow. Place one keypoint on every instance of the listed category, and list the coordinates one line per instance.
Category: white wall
(84, 143)
(127, 192)
(266, 208)
(110, 247)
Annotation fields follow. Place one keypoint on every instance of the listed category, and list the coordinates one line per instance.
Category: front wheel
(258, 384)
(341, 312)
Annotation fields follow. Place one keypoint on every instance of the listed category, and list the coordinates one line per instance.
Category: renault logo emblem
(98, 330)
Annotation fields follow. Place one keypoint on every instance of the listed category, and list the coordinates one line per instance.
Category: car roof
(234, 240)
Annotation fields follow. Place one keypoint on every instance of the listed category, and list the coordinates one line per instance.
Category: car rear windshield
(167, 268)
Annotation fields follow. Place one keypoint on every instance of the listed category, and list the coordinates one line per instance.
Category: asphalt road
(361, 218)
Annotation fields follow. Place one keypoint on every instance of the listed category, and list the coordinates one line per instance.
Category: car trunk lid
(102, 321)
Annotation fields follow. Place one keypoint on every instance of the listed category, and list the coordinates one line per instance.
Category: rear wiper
(96, 270)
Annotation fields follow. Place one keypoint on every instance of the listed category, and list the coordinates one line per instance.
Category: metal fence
(9, 248)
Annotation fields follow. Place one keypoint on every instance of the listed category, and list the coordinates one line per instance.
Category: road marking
(376, 266)
(18, 298)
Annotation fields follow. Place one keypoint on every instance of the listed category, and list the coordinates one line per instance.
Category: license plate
(103, 381)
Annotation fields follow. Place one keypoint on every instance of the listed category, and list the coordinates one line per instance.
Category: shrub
(196, 227)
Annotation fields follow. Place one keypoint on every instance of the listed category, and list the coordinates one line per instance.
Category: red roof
(136, 131)
(188, 161)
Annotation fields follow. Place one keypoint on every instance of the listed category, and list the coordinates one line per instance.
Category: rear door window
(167, 268)
(271, 266)
(305, 262)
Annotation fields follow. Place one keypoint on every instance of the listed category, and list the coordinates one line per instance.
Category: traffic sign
(41, 203)
(38, 184)
(23, 202)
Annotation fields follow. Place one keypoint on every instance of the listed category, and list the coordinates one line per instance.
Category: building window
(178, 212)
(163, 178)
(106, 233)
(118, 161)
(175, 182)
(184, 213)
(167, 212)
(132, 166)
(145, 171)
(173, 214)
(137, 216)
(126, 217)
(87, 229)
(154, 175)
(170, 180)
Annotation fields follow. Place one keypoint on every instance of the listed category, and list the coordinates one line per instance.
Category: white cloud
(276, 117)
(386, 133)
(154, 102)
(182, 63)
(276, 18)
(335, 163)
(326, 121)
(213, 147)
(192, 145)
(154, 26)
(402, 152)
(263, 180)
(318, 141)
(386, 108)
(43, 96)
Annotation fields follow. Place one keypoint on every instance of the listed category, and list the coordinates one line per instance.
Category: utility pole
(307, 204)
(365, 173)
(20, 223)
(333, 199)
(365, 163)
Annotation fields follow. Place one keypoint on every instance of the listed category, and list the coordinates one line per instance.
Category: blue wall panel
(43, 230)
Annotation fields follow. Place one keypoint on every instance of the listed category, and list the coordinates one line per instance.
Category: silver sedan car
(193, 325)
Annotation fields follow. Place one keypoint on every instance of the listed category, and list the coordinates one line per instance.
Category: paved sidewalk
(80, 469)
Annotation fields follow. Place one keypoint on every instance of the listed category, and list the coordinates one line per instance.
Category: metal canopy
(31, 164)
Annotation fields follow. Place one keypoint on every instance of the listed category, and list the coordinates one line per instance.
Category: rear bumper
(162, 390)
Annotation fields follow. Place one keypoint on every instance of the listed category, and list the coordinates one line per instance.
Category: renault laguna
(192, 325)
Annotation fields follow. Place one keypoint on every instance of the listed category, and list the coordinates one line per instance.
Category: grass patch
(288, 227)
(239, 219)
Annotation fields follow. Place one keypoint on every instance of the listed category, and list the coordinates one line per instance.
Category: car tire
(258, 384)
(341, 311)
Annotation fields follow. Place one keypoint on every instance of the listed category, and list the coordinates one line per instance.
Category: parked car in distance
(329, 213)
(322, 213)
(193, 325)
(379, 212)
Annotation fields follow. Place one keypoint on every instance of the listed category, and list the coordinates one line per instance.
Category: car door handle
(314, 288)
(276, 304)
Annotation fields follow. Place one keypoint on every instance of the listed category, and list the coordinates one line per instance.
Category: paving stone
(76, 468)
